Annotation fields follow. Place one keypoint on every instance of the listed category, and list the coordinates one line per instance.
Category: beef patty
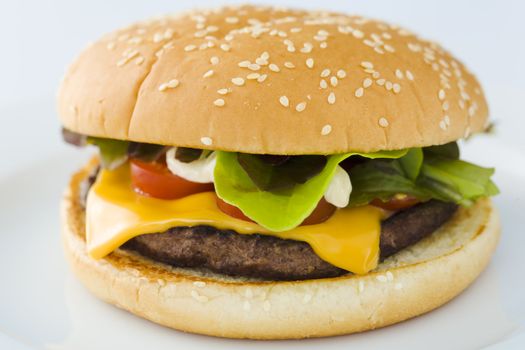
(268, 257)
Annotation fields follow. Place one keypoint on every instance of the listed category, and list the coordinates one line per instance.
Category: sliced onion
(200, 170)
(339, 189)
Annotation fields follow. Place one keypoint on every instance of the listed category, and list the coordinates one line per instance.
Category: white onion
(339, 189)
(200, 170)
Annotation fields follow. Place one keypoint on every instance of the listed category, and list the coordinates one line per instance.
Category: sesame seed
(389, 85)
(244, 64)
(139, 60)
(467, 132)
(261, 61)
(445, 106)
(443, 125)
(323, 45)
(325, 73)
(334, 81)
(358, 34)
(219, 103)
(409, 75)
(389, 48)
(222, 91)
(207, 141)
(397, 88)
(381, 278)
(383, 122)
(361, 286)
(200, 33)
(323, 84)
(157, 37)
(198, 297)
(225, 47)
(274, 68)
(341, 74)
(289, 65)
(169, 85)
(310, 62)
(471, 111)
(300, 107)
(214, 60)
(295, 30)
(331, 98)
(366, 64)
(262, 78)
(380, 82)
(284, 101)
(359, 92)
(238, 81)
(254, 66)
(376, 75)
(200, 284)
(232, 20)
(389, 276)
(326, 129)
(190, 48)
(265, 55)
(253, 76)
(367, 83)
(399, 74)
(446, 119)
(208, 73)
(441, 94)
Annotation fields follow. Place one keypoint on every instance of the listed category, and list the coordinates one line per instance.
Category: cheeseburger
(270, 173)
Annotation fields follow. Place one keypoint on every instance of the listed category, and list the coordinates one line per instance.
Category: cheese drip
(115, 214)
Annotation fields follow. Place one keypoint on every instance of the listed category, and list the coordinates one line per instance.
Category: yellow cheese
(115, 214)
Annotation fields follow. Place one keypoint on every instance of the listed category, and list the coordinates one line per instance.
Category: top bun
(271, 80)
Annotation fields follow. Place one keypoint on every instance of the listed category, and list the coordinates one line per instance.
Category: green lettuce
(113, 153)
(432, 172)
(283, 209)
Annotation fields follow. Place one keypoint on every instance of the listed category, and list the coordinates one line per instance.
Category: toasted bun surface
(410, 283)
(267, 80)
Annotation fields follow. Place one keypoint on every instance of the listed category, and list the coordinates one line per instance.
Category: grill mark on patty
(273, 258)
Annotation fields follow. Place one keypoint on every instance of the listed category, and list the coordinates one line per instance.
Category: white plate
(43, 306)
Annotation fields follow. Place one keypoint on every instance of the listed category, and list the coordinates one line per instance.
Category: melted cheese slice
(115, 214)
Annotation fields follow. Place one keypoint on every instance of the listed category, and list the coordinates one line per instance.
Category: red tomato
(156, 180)
(398, 202)
(320, 214)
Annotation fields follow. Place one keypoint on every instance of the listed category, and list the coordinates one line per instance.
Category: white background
(39, 38)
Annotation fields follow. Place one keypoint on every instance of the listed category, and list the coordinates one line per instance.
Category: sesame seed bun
(268, 80)
(412, 282)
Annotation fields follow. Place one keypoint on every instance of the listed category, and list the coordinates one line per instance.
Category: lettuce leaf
(438, 174)
(282, 209)
(284, 174)
(382, 179)
(113, 153)
(456, 180)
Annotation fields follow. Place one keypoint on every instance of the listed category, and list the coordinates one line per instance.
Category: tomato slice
(321, 213)
(156, 180)
(398, 202)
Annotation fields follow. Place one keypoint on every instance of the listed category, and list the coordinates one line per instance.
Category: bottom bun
(410, 283)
